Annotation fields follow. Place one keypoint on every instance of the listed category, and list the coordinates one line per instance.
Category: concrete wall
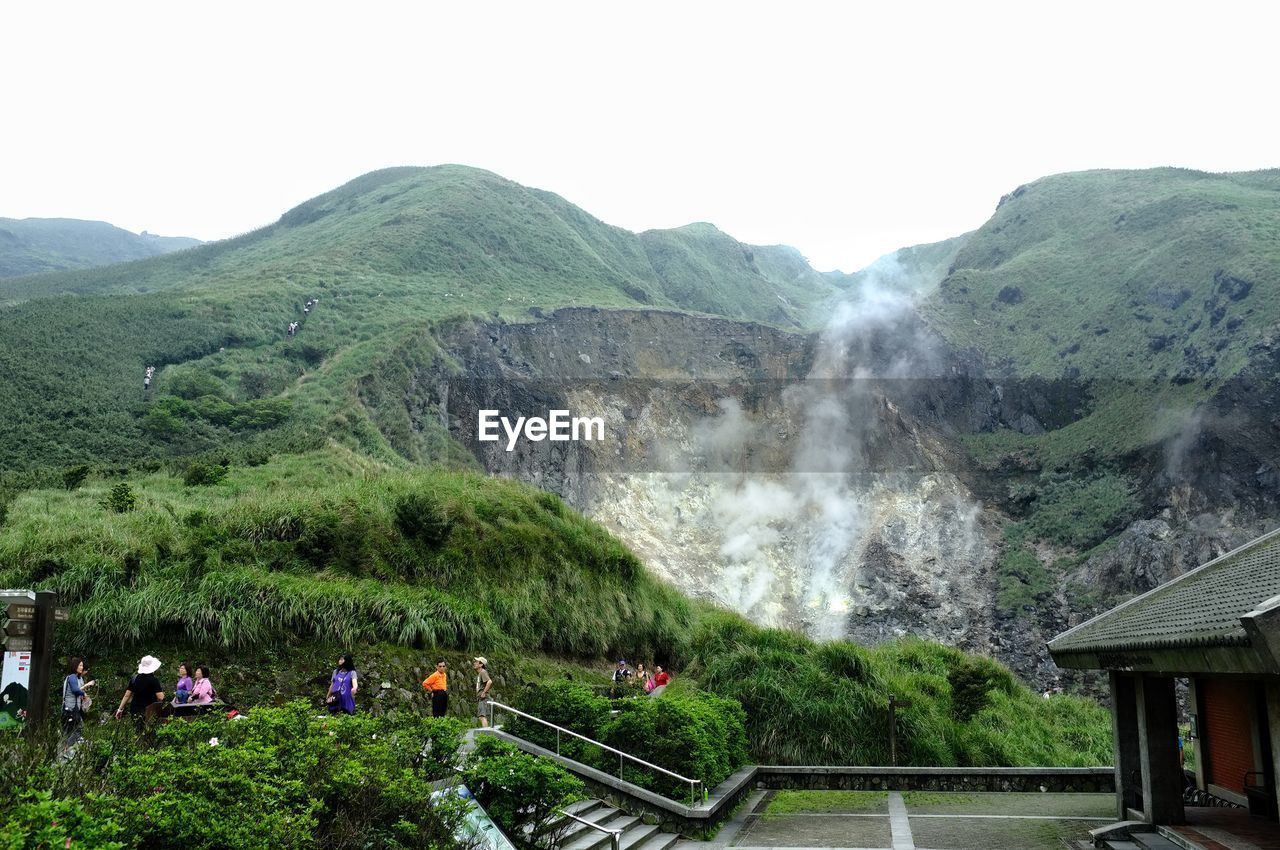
(1049, 779)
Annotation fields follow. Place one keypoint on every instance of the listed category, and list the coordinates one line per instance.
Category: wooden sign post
(27, 639)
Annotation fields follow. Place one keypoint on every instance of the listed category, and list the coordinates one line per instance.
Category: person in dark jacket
(144, 690)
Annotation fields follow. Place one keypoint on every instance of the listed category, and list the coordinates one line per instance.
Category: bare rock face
(815, 482)
(779, 475)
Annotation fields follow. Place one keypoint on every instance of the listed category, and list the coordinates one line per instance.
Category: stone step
(658, 840)
(576, 831)
(1154, 841)
(587, 838)
(1121, 845)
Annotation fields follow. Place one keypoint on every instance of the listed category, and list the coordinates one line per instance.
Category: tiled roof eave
(1201, 642)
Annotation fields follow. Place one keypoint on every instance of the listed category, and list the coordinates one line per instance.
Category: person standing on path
(343, 686)
(437, 684)
(144, 690)
(74, 702)
(484, 682)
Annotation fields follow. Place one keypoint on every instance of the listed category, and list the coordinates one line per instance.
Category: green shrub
(697, 735)
(1021, 580)
(121, 499)
(202, 474)
(34, 819)
(1082, 512)
(519, 791)
(72, 478)
(285, 778)
(971, 680)
(422, 518)
(848, 660)
(568, 704)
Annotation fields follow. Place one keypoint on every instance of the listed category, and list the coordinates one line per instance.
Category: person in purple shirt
(183, 691)
(343, 686)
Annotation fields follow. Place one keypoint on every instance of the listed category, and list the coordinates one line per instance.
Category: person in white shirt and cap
(484, 682)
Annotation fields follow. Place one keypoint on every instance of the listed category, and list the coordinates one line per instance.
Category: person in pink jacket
(202, 692)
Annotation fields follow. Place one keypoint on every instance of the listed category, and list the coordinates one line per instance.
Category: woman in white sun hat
(144, 689)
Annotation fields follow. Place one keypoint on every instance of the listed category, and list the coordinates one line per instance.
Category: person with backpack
(343, 686)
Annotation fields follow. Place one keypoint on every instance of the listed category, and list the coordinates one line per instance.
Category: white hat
(484, 662)
(148, 664)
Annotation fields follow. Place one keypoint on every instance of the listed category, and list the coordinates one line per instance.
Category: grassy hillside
(328, 546)
(269, 572)
(1152, 285)
(386, 254)
(34, 245)
(1127, 275)
(456, 233)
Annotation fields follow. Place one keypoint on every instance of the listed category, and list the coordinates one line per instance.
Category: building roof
(1201, 608)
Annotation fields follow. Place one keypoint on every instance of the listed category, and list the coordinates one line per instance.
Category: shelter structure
(1218, 626)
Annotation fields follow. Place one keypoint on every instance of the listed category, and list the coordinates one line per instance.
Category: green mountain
(34, 245)
(1164, 274)
(1154, 287)
(386, 254)
(437, 241)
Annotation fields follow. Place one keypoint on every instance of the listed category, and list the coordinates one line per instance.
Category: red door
(1226, 721)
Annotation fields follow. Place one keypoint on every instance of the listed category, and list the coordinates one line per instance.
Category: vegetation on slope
(811, 703)
(330, 547)
(1152, 285)
(34, 245)
(386, 254)
(275, 778)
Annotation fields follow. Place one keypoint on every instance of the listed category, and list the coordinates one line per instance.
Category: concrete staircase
(636, 835)
(1136, 836)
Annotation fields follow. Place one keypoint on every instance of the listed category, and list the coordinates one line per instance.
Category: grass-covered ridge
(387, 255)
(1125, 275)
(331, 547)
(1154, 286)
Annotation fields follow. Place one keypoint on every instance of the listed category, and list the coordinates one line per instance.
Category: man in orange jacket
(437, 684)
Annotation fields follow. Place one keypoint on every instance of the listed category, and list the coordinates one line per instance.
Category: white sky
(843, 129)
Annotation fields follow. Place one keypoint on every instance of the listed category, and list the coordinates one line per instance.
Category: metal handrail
(694, 784)
(615, 835)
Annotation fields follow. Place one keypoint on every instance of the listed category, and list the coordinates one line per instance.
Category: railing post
(557, 740)
(615, 839)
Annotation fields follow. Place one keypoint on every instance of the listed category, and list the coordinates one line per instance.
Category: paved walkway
(912, 821)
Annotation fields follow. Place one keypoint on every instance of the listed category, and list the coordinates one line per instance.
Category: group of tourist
(147, 376)
(651, 682)
(145, 695)
(194, 688)
(292, 327)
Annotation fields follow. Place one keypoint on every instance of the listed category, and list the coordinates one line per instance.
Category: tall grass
(330, 547)
(811, 703)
